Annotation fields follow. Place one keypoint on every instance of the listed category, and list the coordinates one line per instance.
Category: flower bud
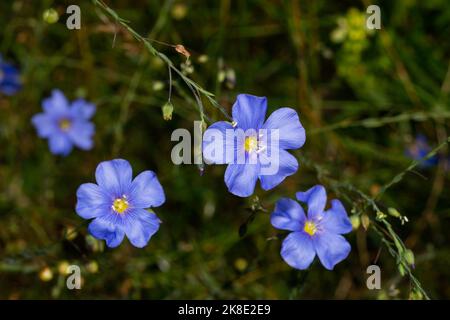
(393, 212)
(167, 111)
(50, 16)
(46, 274)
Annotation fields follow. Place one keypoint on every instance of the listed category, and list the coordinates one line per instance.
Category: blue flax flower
(9, 78)
(65, 124)
(317, 233)
(253, 148)
(419, 149)
(117, 204)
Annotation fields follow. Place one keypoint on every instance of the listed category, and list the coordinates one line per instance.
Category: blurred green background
(362, 97)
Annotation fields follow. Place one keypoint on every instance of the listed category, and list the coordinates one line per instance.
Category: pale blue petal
(82, 108)
(331, 248)
(249, 111)
(335, 220)
(92, 201)
(316, 198)
(287, 165)
(146, 191)
(288, 215)
(81, 133)
(298, 250)
(114, 176)
(45, 125)
(60, 144)
(57, 103)
(218, 146)
(241, 178)
(140, 226)
(291, 132)
(105, 229)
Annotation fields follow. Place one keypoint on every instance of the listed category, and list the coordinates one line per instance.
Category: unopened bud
(393, 212)
(167, 111)
(46, 274)
(50, 16)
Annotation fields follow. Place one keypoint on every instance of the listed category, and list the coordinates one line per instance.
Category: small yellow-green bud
(167, 111)
(356, 222)
(46, 274)
(409, 257)
(50, 16)
(92, 267)
(158, 85)
(393, 212)
(240, 264)
(62, 267)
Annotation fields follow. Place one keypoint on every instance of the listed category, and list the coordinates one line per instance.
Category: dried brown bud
(181, 49)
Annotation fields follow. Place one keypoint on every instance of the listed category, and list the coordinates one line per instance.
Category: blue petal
(141, 227)
(9, 88)
(92, 201)
(146, 191)
(241, 178)
(60, 144)
(288, 215)
(83, 109)
(114, 176)
(81, 133)
(298, 250)
(291, 132)
(105, 229)
(249, 111)
(218, 146)
(316, 198)
(57, 103)
(335, 220)
(331, 248)
(44, 124)
(10, 83)
(287, 165)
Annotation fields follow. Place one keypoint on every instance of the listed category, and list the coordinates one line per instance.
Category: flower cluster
(319, 232)
(253, 147)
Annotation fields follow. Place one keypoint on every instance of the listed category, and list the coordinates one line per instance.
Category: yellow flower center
(65, 124)
(251, 144)
(120, 204)
(310, 228)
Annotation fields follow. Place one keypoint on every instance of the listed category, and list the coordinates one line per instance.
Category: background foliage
(362, 97)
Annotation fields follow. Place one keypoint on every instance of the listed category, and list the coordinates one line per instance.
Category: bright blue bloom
(262, 145)
(65, 124)
(419, 149)
(317, 233)
(117, 203)
(9, 78)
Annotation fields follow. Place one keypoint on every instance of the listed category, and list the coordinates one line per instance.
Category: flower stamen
(65, 124)
(251, 144)
(120, 204)
(310, 228)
